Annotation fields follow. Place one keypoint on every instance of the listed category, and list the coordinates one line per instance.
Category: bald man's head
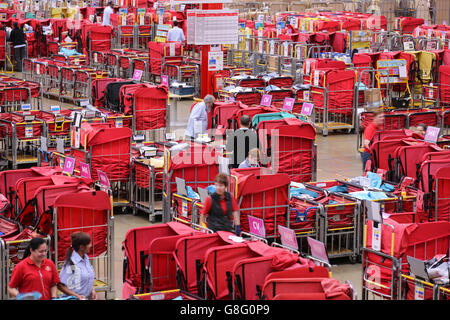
(245, 121)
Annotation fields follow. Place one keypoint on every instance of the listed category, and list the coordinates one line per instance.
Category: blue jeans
(364, 157)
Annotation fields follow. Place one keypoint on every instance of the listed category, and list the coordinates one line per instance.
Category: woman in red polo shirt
(36, 273)
(369, 133)
(220, 207)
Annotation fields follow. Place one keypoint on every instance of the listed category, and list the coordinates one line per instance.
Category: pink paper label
(432, 134)
(165, 80)
(137, 75)
(69, 165)
(288, 104)
(266, 100)
(318, 249)
(85, 171)
(104, 181)
(257, 226)
(288, 238)
(307, 109)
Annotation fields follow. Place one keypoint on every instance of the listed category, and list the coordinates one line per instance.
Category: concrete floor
(337, 158)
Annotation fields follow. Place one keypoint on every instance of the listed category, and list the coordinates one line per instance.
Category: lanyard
(42, 283)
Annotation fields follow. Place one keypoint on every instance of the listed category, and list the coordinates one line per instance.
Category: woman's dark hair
(34, 244)
(77, 239)
(15, 25)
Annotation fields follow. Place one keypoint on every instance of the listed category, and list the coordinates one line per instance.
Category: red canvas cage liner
(44, 199)
(444, 89)
(250, 274)
(167, 52)
(99, 37)
(150, 111)
(416, 117)
(189, 255)
(251, 112)
(197, 165)
(223, 113)
(265, 197)
(442, 194)
(99, 89)
(339, 84)
(304, 289)
(9, 178)
(162, 267)
(292, 151)
(219, 262)
(8, 227)
(419, 240)
(136, 248)
(409, 157)
(109, 150)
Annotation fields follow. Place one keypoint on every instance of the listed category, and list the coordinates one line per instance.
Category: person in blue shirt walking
(77, 272)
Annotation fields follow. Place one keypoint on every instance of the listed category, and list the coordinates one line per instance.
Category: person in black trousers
(17, 38)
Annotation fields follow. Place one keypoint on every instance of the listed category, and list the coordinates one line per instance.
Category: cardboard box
(273, 62)
(372, 98)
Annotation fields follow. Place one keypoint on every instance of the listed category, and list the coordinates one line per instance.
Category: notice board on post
(206, 27)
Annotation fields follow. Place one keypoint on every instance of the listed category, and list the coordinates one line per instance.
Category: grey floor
(337, 158)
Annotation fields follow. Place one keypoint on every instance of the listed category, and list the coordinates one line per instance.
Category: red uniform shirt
(369, 133)
(223, 204)
(28, 277)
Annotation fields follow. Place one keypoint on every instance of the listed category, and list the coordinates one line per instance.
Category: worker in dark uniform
(221, 208)
(17, 37)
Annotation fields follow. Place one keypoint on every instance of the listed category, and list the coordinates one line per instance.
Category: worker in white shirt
(176, 33)
(107, 14)
(198, 119)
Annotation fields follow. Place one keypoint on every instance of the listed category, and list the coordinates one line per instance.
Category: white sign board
(215, 61)
(207, 27)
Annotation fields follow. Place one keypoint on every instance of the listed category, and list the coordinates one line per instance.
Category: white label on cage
(272, 47)
(311, 26)
(316, 78)
(171, 49)
(38, 69)
(119, 123)
(44, 144)
(294, 22)
(28, 131)
(308, 67)
(77, 137)
(396, 24)
(303, 25)
(260, 32)
(429, 33)
(376, 236)
(408, 46)
(285, 49)
(430, 93)
(298, 52)
(141, 19)
(419, 291)
(260, 18)
(247, 45)
(306, 95)
(170, 136)
(402, 73)
(95, 57)
(184, 208)
(84, 103)
(260, 46)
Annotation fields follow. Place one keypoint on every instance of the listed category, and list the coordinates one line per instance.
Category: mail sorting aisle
(147, 179)
(20, 137)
